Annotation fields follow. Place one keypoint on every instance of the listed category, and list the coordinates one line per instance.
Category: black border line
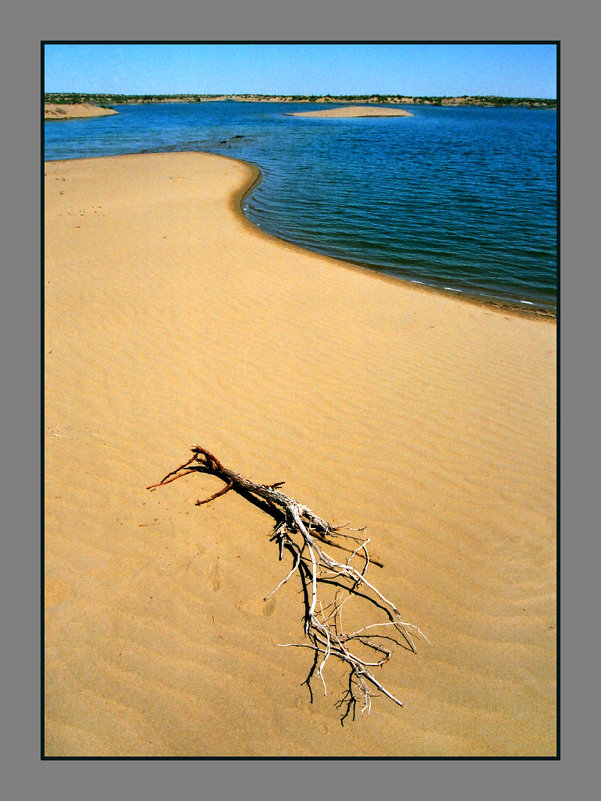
(557, 757)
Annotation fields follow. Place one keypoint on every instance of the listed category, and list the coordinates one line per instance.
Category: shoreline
(502, 306)
(172, 319)
(509, 307)
(483, 101)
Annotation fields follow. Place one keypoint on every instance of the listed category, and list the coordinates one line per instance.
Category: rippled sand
(171, 320)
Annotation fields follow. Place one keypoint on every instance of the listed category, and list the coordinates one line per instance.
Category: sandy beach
(73, 111)
(353, 111)
(171, 320)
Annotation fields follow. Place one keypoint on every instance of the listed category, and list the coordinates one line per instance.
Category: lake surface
(461, 199)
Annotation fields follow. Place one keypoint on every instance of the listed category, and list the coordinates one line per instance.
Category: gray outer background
(24, 25)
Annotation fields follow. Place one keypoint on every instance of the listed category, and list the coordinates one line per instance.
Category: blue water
(461, 199)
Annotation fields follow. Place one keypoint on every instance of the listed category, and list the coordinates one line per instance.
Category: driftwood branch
(302, 534)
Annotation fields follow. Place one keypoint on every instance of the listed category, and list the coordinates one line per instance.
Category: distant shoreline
(492, 101)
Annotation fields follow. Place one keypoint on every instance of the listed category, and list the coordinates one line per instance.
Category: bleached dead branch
(302, 533)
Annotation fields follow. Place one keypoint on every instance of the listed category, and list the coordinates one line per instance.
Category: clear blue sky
(508, 70)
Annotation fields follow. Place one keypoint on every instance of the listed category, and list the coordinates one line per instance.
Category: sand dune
(171, 320)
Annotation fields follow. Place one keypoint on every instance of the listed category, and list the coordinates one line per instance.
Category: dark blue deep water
(462, 199)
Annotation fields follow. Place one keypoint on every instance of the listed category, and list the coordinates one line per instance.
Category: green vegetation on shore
(464, 100)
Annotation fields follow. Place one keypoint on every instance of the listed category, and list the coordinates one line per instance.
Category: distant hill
(67, 98)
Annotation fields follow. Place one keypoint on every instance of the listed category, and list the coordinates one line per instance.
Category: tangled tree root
(301, 532)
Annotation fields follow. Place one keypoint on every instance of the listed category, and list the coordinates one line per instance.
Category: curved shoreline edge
(509, 307)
